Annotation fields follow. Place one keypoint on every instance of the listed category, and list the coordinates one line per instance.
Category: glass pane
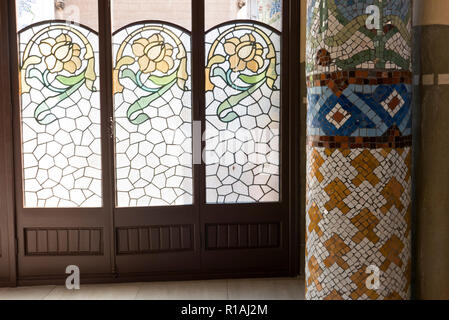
(125, 12)
(60, 115)
(153, 114)
(265, 11)
(30, 12)
(242, 113)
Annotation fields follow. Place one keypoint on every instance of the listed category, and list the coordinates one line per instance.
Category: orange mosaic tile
(315, 217)
(359, 278)
(317, 162)
(392, 193)
(337, 249)
(334, 295)
(391, 251)
(337, 192)
(408, 219)
(365, 163)
(314, 273)
(393, 296)
(365, 221)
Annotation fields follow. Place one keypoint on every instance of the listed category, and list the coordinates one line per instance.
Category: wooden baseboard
(7, 283)
(144, 277)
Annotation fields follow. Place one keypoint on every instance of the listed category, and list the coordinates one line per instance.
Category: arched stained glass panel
(242, 113)
(153, 115)
(60, 116)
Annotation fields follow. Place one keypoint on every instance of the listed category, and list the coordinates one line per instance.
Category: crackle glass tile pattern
(242, 114)
(60, 116)
(358, 198)
(153, 116)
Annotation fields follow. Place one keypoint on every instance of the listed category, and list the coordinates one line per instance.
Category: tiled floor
(238, 289)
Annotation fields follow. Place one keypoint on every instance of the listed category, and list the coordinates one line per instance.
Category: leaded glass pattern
(242, 114)
(153, 115)
(60, 116)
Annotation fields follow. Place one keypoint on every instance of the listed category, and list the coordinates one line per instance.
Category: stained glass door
(156, 220)
(64, 210)
(245, 214)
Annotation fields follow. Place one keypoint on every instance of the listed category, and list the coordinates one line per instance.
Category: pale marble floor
(236, 289)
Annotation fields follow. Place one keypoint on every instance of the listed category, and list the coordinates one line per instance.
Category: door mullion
(105, 39)
(198, 104)
(294, 128)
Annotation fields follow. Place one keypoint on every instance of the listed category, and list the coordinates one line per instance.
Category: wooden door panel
(245, 237)
(158, 239)
(241, 247)
(242, 235)
(50, 241)
(245, 213)
(156, 221)
(155, 239)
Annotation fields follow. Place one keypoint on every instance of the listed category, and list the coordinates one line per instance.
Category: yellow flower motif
(244, 53)
(154, 54)
(61, 54)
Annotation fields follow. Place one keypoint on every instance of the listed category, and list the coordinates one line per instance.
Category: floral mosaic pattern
(338, 29)
(60, 116)
(153, 116)
(242, 114)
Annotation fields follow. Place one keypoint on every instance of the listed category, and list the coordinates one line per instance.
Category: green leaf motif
(162, 81)
(70, 81)
(248, 79)
(219, 72)
(225, 112)
(129, 74)
(135, 113)
(254, 78)
(43, 114)
(233, 84)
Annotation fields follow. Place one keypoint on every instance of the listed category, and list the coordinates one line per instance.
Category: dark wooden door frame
(7, 217)
(290, 126)
(293, 27)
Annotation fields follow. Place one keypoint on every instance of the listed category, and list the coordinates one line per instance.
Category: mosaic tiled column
(358, 150)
